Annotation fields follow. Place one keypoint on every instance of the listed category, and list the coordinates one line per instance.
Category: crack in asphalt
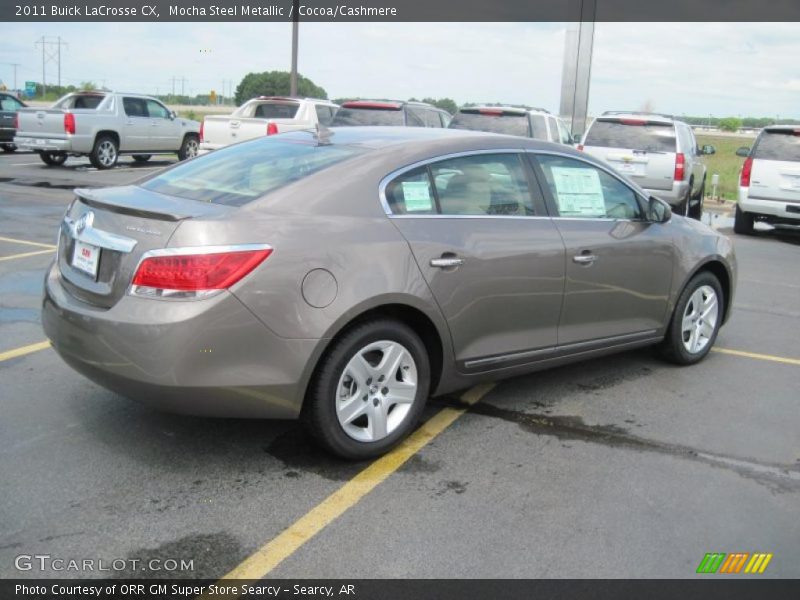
(778, 477)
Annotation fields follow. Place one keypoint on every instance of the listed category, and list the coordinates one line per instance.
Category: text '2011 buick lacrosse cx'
(344, 276)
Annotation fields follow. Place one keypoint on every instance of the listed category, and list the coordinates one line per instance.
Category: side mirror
(658, 210)
(576, 138)
(744, 151)
(173, 115)
(708, 149)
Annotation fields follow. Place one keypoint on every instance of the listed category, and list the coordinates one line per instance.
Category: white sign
(86, 258)
(579, 192)
(417, 195)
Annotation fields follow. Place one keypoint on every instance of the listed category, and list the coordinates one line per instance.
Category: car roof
(618, 115)
(505, 108)
(385, 104)
(291, 99)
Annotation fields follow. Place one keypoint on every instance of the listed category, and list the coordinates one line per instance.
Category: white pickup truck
(265, 115)
(102, 125)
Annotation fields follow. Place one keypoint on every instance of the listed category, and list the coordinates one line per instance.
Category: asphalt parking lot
(619, 467)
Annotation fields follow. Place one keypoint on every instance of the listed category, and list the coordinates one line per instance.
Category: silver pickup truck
(103, 125)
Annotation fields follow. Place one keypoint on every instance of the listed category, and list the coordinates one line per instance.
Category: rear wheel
(105, 153)
(189, 148)
(53, 159)
(696, 211)
(142, 158)
(369, 390)
(695, 321)
(743, 222)
(9, 148)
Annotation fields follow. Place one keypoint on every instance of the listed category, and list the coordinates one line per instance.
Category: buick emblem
(84, 222)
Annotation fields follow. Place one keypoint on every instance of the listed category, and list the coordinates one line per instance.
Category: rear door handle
(584, 259)
(448, 262)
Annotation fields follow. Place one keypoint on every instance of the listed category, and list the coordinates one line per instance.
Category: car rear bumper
(210, 357)
(780, 209)
(673, 196)
(43, 144)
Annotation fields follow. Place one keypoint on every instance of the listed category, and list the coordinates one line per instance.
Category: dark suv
(9, 105)
(390, 112)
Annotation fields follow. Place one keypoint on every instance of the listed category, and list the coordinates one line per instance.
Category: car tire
(367, 423)
(105, 153)
(189, 147)
(695, 321)
(9, 148)
(53, 159)
(743, 222)
(142, 158)
(696, 211)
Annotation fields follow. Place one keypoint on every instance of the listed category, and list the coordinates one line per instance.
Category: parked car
(658, 152)
(344, 278)
(513, 120)
(390, 112)
(266, 115)
(9, 105)
(102, 125)
(769, 182)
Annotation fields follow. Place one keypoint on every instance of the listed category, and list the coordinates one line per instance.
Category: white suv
(769, 182)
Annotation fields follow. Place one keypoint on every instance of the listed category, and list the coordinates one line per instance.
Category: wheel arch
(108, 132)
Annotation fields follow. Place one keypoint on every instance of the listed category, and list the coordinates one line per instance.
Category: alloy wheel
(700, 319)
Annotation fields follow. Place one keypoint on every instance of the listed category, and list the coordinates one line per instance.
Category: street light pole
(295, 28)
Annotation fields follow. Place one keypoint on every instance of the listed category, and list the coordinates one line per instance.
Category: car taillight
(680, 166)
(580, 147)
(69, 123)
(202, 126)
(747, 169)
(272, 129)
(194, 272)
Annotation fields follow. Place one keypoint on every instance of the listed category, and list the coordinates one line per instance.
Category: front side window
(157, 110)
(581, 190)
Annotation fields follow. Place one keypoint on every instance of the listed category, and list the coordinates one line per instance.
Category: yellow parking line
(16, 241)
(24, 254)
(269, 556)
(17, 352)
(770, 357)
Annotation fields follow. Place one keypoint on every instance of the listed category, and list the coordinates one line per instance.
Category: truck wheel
(189, 148)
(105, 153)
(53, 159)
(696, 211)
(9, 148)
(743, 222)
(142, 158)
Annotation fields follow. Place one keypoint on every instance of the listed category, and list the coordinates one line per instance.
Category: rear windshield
(649, 136)
(367, 116)
(271, 110)
(239, 174)
(80, 101)
(778, 145)
(510, 124)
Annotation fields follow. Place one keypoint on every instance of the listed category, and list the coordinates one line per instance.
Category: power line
(51, 52)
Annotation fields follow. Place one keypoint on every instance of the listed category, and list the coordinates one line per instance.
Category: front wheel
(695, 321)
(53, 159)
(743, 222)
(369, 390)
(189, 148)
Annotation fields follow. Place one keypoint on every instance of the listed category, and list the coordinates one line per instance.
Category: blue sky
(747, 69)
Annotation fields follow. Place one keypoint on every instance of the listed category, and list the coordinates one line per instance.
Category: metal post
(295, 31)
(59, 61)
(577, 69)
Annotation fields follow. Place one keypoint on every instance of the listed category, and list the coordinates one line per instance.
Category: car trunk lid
(105, 233)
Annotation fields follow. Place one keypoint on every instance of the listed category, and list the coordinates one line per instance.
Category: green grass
(725, 163)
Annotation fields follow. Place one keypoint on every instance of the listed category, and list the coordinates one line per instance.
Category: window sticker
(579, 192)
(417, 195)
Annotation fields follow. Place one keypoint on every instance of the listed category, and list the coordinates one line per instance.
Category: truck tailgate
(41, 123)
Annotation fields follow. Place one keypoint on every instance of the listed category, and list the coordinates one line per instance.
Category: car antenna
(323, 135)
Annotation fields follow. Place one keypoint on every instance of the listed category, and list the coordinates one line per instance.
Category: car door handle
(584, 259)
(447, 262)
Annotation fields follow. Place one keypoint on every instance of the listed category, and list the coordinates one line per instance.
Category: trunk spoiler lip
(138, 202)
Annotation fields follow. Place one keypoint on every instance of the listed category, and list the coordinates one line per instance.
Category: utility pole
(15, 65)
(50, 54)
(295, 28)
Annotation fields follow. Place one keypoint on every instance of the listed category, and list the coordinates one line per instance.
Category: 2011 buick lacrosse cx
(344, 276)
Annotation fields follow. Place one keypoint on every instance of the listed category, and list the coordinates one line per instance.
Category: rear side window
(553, 129)
(241, 173)
(778, 145)
(135, 107)
(479, 185)
(81, 101)
(636, 135)
(273, 110)
(539, 127)
(509, 124)
(367, 116)
(566, 137)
